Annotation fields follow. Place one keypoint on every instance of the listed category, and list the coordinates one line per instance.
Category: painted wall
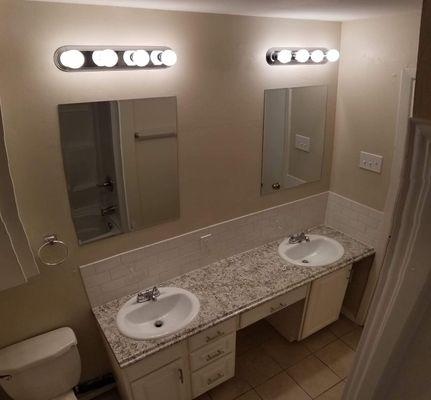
(219, 82)
(374, 52)
(422, 108)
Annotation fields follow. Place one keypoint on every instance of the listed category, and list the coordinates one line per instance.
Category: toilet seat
(66, 396)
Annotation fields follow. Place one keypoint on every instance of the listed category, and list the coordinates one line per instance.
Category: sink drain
(158, 324)
(305, 261)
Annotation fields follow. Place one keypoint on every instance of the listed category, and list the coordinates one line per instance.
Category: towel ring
(51, 240)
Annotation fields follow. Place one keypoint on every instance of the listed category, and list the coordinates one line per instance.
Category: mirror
(293, 137)
(121, 164)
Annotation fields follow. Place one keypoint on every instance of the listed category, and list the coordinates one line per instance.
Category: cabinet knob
(276, 186)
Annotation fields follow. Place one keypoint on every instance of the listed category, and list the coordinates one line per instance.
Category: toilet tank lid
(31, 352)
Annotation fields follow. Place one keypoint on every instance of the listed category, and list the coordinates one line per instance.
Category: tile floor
(268, 367)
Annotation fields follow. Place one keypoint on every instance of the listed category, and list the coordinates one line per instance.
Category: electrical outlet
(302, 143)
(371, 162)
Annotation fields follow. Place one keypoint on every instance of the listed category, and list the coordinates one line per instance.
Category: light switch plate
(302, 143)
(371, 162)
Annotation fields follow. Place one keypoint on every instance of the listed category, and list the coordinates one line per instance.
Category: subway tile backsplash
(361, 222)
(125, 273)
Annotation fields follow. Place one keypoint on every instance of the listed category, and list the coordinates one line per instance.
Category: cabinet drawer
(211, 352)
(213, 374)
(210, 335)
(272, 306)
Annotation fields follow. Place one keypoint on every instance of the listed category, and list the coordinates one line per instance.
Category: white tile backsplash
(361, 222)
(125, 273)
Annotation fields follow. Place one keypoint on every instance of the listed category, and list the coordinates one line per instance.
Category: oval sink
(318, 252)
(173, 310)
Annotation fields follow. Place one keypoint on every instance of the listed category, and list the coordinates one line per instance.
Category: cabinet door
(325, 301)
(171, 382)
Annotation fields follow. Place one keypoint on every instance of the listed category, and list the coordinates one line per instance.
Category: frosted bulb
(155, 57)
(72, 59)
(332, 55)
(284, 56)
(302, 55)
(105, 58)
(141, 58)
(317, 56)
(127, 57)
(169, 58)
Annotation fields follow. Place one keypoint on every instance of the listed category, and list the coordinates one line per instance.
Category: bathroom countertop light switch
(371, 162)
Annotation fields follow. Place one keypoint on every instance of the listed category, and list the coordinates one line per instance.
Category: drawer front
(211, 352)
(272, 306)
(213, 374)
(210, 335)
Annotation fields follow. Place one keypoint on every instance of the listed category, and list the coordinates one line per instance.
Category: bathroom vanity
(233, 293)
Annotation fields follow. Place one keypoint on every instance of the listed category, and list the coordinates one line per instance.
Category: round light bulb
(141, 58)
(73, 59)
(105, 58)
(155, 57)
(127, 57)
(302, 55)
(284, 56)
(110, 58)
(332, 55)
(169, 58)
(317, 56)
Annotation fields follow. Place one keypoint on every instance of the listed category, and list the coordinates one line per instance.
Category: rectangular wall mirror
(293, 137)
(121, 164)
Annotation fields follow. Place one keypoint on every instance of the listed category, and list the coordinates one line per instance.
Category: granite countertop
(227, 288)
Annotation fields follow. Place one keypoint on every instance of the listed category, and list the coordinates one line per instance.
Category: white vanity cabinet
(325, 300)
(166, 383)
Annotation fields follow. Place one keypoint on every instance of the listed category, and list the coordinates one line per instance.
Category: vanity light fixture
(298, 56)
(87, 58)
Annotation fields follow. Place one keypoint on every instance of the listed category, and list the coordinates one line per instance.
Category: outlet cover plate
(371, 162)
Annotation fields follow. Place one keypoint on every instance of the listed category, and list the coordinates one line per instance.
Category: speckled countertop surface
(225, 289)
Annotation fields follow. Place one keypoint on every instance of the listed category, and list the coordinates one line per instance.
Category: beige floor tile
(230, 389)
(251, 395)
(319, 339)
(313, 376)
(284, 352)
(352, 338)
(255, 367)
(342, 326)
(281, 387)
(335, 393)
(337, 356)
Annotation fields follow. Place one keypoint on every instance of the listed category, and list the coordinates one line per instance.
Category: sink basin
(318, 252)
(173, 310)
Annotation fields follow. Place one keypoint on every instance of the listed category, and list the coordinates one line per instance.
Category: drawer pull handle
(211, 338)
(181, 375)
(214, 355)
(274, 309)
(215, 378)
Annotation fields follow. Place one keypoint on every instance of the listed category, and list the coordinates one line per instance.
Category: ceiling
(333, 10)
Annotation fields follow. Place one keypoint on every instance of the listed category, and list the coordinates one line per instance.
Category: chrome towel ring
(52, 240)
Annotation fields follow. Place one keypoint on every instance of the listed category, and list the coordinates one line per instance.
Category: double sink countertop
(227, 288)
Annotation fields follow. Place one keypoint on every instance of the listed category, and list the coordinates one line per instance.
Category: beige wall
(373, 54)
(422, 107)
(219, 82)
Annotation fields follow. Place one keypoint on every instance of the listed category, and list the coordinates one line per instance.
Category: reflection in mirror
(121, 164)
(294, 136)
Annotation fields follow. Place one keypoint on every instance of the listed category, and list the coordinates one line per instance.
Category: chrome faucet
(298, 238)
(147, 295)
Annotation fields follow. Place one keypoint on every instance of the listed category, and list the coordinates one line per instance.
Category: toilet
(44, 367)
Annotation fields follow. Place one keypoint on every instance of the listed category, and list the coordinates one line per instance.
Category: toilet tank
(41, 367)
